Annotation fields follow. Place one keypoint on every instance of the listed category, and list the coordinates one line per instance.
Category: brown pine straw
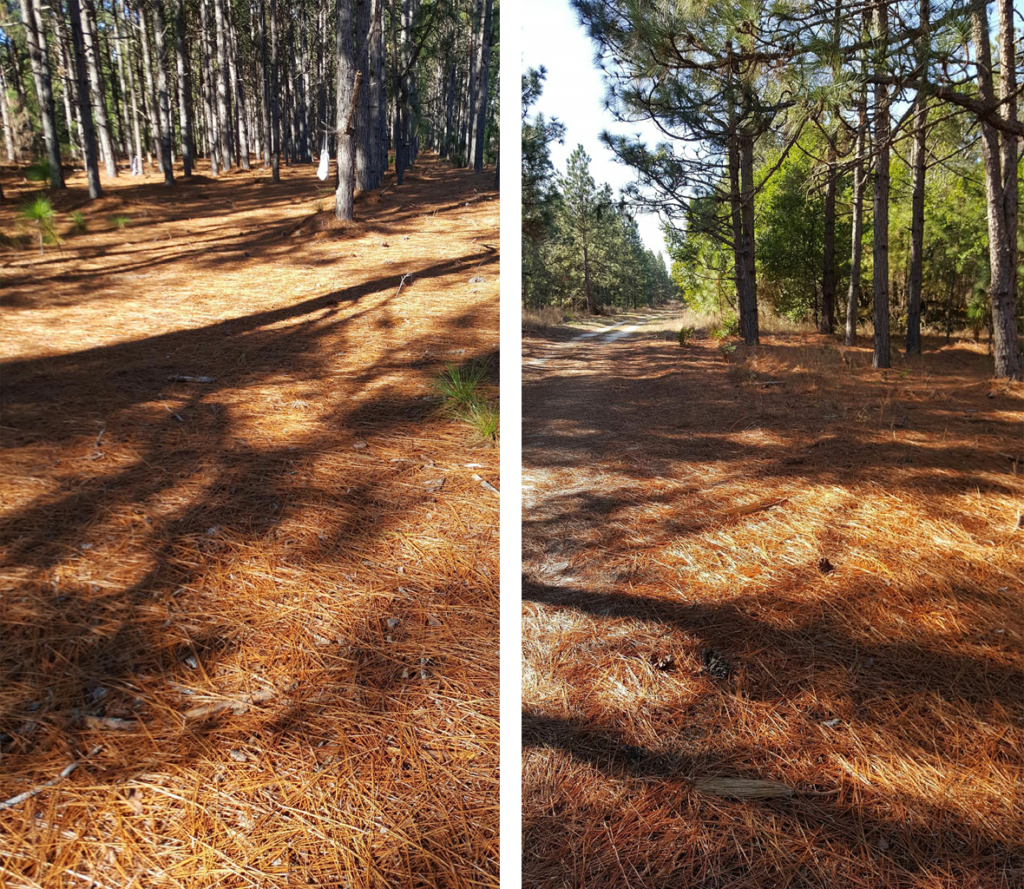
(870, 732)
(235, 603)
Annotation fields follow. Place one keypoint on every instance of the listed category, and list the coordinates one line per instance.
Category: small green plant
(78, 223)
(39, 171)
(685, 335)
(120, 222)
(727, 327)
(38, 214)
(726, 349)
(484, 417)
(459, 386)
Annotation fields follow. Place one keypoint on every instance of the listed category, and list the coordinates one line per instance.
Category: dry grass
(259, 612)
(543, 319)
(846, 541)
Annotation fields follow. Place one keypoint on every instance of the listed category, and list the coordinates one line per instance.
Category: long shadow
(141, 497)
(834, 821)
(818, 670)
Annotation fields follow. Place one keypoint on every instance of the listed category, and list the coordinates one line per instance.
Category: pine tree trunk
(1000, 186)
(828, 273)
(99, 104)
(857, 239)
(66, 64)
(223, 88)
(916, 273)
(275, 116)
(880, 248)
(89, 147)
(265, 84)
(363, 134)
(377, 95)
(347, 92)
(748, 295)
(237, 91)
(152, 108)
(35, 38)
(5, 114)
(188, 152)
(480, 105)
(210, 89)
(163, 94)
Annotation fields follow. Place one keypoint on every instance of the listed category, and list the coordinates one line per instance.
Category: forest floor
(249, 574)
(775, 565)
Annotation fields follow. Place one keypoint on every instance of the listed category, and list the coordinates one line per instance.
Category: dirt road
(777, 566)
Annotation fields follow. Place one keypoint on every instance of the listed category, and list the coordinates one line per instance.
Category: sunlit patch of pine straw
(244, 607)
(678, 501)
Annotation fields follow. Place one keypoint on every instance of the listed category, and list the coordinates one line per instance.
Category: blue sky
(574, 93)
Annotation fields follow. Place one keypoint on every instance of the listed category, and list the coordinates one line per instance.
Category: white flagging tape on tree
(325, 163)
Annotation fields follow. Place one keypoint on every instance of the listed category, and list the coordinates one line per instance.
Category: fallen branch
(35, 791)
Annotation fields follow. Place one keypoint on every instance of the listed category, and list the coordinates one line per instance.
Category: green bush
(685, 335)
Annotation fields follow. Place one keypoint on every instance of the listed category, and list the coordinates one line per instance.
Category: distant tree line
(581, 244)
(128, 84)
(814, 145)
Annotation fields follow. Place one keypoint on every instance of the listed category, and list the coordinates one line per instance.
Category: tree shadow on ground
(231, 514)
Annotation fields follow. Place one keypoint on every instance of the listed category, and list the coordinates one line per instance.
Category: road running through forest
(808, 527)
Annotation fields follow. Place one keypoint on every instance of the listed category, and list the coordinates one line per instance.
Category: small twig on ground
(402, 284)
(35, 791)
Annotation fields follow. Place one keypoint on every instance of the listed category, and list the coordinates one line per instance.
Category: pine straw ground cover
(839, 546)
(249, 580)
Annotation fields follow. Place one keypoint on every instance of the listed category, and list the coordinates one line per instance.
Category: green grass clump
(459, 386)
(485, 419)
(78, 223)
(685, 335)
(120, 222)
(461, 390)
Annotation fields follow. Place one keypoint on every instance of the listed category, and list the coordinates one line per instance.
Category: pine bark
(163, 92)
(152, 106)
(880, 248)
(346, 90)
(89, 146)
(223, 87)
(857, 239)
(480, 103)
(188, 151)
(35, 38)
(916, 272)
(99, 104)
(999, 154)
(237, 90)
(209, 88)
(275, 115)
(828, 273)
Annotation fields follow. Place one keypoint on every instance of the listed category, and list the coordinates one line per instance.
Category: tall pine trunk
(163, 92)
(346, 91)
(188, 151)
(999, 153)
(880, 248)
(99, 105)
(275, 99)
(827, 322)
(89, 147)
(916, 274)
(237, 90)
(748, 293)
(35, 38)
(857, 238)
(480, 100)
